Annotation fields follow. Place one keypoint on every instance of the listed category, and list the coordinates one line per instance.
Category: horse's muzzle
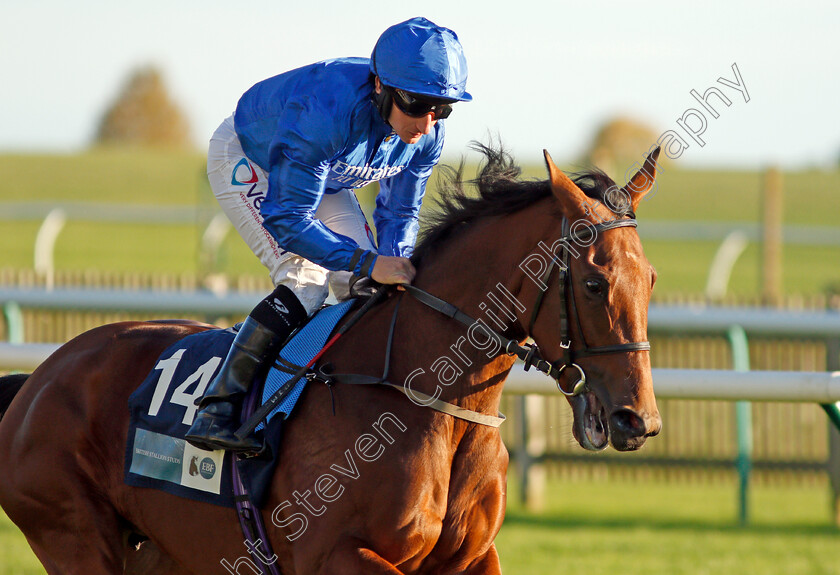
(629, 429)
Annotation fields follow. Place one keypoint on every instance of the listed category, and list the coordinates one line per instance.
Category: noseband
(567, 305)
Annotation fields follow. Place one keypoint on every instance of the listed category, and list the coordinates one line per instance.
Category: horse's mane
(500, 191)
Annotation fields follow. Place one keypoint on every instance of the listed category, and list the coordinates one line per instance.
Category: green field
(652, 528)
(668, 529)
(144, 178)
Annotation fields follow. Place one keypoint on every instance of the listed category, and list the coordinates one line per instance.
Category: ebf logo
(207, 468)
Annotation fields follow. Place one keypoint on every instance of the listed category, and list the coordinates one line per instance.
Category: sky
(543, 74)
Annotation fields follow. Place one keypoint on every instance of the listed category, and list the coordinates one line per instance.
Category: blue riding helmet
(422, 58)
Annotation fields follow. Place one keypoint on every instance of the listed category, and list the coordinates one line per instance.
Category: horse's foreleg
(51, 488)
(147, 558)
(353, 557)
(487, 564)
(71, 544)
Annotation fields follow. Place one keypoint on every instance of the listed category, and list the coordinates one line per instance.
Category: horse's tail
(9, 386)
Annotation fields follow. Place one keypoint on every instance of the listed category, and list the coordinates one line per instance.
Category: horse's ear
(642, 182)
(563, 188)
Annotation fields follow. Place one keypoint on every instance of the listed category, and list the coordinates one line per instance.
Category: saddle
(163, 408)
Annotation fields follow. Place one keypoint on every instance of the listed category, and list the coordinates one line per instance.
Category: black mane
(500, 191)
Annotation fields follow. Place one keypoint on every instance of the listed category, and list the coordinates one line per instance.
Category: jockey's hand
(393, 270)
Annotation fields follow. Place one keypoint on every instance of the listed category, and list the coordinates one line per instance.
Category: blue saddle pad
(163, 407)
(298, 352)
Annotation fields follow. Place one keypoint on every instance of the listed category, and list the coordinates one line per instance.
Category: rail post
(832, 356)
(211, 243)
(531, 446)
(45, 245)
(730, 249)
(743, 416)
(14, 322)
(771, 245)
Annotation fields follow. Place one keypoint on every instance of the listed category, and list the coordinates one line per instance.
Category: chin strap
(383, 102)
(383, 99)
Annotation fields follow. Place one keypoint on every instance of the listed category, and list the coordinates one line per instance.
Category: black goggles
(418, 106)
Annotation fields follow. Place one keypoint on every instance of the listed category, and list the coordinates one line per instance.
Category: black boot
(254, 347)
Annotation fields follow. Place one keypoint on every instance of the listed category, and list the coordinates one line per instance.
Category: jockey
(284, 167)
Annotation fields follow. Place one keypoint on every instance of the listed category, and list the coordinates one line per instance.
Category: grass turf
(655, 528)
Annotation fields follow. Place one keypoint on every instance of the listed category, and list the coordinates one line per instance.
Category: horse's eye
(594, 287)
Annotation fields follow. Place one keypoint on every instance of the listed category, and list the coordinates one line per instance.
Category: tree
(619, 143)
(144, 115)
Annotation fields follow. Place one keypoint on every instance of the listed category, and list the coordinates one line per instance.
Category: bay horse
(369, 481)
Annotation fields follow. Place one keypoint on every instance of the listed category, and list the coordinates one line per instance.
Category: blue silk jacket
(316, 130)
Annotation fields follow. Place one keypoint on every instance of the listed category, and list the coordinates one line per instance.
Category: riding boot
(254, 348)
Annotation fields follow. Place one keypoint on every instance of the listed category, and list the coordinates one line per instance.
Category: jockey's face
(408, 128)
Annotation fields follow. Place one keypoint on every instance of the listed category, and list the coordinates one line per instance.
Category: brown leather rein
(528, 353)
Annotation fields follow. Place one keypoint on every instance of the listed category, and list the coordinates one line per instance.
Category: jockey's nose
(427, 122)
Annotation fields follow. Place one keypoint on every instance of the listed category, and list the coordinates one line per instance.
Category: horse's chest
(476, 499)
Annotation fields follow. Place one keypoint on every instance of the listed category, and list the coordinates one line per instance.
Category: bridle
(528, 353)
(569, 307)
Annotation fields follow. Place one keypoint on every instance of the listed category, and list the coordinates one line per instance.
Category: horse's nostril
(627, 422)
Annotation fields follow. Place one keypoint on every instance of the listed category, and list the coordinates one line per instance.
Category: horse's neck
(478, 273)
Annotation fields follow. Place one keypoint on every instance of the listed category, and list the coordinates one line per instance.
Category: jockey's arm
(397, 213)
(308, 138)
(294, 192)
(289, 218)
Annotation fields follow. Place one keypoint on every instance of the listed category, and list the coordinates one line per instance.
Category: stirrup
(213, 431)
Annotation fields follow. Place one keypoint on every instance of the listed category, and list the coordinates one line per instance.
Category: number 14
(202, 375)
